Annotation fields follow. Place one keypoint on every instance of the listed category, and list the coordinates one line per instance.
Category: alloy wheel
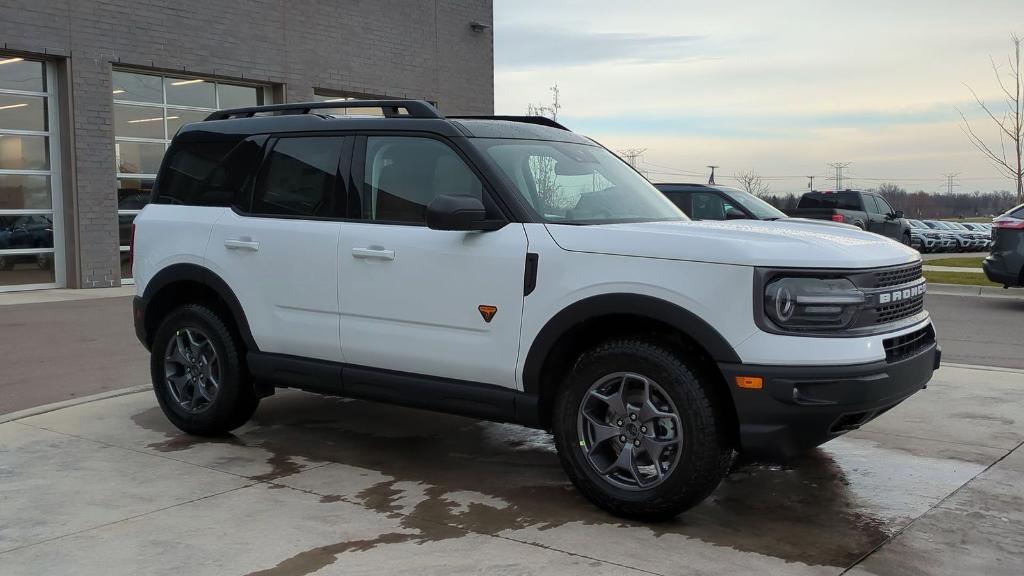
(192, 370)
(629, 431)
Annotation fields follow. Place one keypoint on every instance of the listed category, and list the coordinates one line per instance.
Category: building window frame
(56, 211)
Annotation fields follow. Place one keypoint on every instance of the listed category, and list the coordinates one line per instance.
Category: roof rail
(415, 108)
(539, 120)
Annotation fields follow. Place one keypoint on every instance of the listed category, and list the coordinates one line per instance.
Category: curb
(971, 290)
(983, 368)
(12, 416)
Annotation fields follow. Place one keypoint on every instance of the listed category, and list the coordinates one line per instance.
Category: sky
(780, 88)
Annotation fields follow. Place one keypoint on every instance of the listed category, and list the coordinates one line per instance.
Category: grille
(907, 345)
(897, 276)
(898, 311)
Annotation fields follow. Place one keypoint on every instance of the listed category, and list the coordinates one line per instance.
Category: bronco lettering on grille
(904, 294)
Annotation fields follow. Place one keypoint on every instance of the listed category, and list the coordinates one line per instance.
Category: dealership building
(91, 91)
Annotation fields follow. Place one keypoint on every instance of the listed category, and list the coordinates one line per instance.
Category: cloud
(526, 46)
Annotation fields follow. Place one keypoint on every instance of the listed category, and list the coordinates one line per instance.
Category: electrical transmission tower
(633, 157)
(951, 182)
(838, 167)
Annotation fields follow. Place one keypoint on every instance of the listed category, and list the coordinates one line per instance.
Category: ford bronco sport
(509, 269)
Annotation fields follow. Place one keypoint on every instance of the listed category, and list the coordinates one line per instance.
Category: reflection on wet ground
(444, 475)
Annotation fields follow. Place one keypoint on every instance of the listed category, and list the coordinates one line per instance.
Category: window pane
(298, 179)
(192, 178)
(190, 92)
(18, 270)
(178, 118)
(137, 157)
(22, 112)
(133, 193)
(22, 191)
(138, 87)
(126, 265)
(138, 121)
(404, 174)
(707, 207)
(24, 152)
(21, 231)
(21, 74)
(239, 96)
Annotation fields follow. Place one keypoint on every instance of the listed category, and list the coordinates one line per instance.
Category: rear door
(431, 302)
(278, 251)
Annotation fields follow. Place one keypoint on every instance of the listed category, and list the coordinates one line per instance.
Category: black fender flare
(647, 307)
(202, 275)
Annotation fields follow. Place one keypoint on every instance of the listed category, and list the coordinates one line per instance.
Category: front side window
(883, 206)
(578, 183)
(402, 175)
(298, 177)
(708, 206)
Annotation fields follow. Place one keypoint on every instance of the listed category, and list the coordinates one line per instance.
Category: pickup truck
(864, 210)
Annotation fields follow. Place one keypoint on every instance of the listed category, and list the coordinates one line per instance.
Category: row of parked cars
(940, 236)
(1003, 238)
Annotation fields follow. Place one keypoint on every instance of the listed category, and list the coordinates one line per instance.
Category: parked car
(713, 202)
(864, 210)
(25, 231)
(949, 240)
(982, 233)
(1005, 264)
(507, 268)
(926, 239)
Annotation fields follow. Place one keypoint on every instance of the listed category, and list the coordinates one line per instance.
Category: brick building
(92, 90)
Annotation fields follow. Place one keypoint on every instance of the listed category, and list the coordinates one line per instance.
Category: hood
(741, 242)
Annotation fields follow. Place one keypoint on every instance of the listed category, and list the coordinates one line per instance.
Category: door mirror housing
(897, 214)
(463, 213)
(734, 214)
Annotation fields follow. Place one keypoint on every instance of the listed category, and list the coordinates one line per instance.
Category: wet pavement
(317, 485)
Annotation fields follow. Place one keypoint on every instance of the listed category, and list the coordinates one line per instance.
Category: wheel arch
(183, 283)
(592, 319)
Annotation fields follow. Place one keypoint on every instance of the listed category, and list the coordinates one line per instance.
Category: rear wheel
(198, 376)
(637, 431)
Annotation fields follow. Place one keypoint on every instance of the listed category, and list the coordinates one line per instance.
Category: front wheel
(637, 431)
(198, 375)
(906, 240)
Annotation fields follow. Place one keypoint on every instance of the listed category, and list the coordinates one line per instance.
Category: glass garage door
(31, 235)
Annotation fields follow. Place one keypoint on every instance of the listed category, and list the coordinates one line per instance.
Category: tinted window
(871, 205)
(840, 201)
(191, 176)
(298, 177)
(403, 174)
(883, 206)
(1018, 212)
(682, 200)
(709, 206)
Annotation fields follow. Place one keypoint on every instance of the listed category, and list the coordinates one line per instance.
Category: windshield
(569, 183)
(917, 224)
(759, 208)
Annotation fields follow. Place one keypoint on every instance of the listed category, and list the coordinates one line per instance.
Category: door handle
(375, 252)
(241, 243)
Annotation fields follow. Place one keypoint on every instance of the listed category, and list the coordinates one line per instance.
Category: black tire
(235, 400)
(907, 241)
(703, 459)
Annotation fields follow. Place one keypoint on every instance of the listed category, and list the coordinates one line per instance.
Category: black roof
(399, 115)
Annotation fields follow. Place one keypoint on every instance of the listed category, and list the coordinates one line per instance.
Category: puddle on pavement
(827, 508)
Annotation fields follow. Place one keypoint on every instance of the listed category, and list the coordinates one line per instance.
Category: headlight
(802, 304)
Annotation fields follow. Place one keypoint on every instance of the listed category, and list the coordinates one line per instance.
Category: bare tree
(1008, 119)
(752, 182)
(543, 167)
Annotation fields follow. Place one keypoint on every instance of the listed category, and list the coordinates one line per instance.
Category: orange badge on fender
(487, 312)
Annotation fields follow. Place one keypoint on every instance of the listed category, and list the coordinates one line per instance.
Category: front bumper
(800, 407)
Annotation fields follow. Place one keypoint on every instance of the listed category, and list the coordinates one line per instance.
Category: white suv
(509, 269)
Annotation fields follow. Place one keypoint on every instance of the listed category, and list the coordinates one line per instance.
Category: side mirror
(895, 215)
(457, 213)
(734, 214)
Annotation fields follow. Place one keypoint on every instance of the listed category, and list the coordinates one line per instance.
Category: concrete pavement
(331, 486)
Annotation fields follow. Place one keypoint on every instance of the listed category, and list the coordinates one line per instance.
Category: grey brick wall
(411, 48)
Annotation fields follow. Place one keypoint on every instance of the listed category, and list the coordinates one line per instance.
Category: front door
(424, 301)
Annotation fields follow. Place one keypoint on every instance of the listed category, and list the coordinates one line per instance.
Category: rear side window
(1018, 212)
(298, 177)
(193, 175)
(840, 201)
(682, 200)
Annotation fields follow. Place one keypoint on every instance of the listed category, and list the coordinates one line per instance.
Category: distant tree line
(921, 204)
